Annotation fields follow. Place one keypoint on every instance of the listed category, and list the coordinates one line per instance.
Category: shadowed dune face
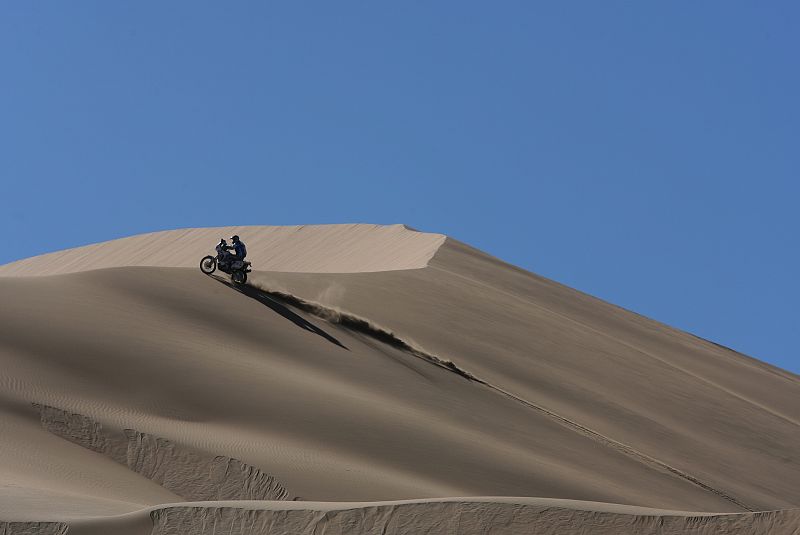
(190, 474)
(460, 377)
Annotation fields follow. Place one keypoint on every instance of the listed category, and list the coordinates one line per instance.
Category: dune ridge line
(364, 326)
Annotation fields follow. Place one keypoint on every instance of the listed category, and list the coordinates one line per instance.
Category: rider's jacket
(240, 250)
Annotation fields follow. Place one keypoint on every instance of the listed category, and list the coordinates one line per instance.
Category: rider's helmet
(235, 238)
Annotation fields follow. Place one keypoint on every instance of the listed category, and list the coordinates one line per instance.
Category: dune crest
(353, 248)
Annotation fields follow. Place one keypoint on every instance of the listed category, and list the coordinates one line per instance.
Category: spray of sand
(360, 325)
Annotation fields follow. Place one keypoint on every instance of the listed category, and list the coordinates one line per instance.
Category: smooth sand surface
(304, 248)
(411, 368)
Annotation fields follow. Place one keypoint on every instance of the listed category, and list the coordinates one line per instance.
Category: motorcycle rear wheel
(239, 277)
(208, 265)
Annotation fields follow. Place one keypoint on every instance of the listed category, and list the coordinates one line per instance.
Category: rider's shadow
(281, 309)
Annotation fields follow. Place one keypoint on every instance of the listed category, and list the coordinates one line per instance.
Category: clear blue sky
(647, 153)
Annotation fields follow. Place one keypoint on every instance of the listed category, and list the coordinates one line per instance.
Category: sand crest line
(364, 326)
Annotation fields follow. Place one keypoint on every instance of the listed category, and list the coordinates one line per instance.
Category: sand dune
(365, 365)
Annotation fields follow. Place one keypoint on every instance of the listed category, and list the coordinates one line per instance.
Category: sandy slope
(332, 382)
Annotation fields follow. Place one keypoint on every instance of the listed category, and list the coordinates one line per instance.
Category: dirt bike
(237, 269)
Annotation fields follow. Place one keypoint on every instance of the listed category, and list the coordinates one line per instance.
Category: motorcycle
(237, 269)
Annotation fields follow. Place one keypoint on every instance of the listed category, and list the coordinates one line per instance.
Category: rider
(222, 250)
(240, 251)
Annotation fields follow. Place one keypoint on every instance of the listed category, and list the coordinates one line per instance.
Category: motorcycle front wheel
(208, 265)
(239, 277)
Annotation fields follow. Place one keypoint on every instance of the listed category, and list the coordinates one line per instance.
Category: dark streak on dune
(368, 328)
(363, 326)
(191, 474)
(276, 306)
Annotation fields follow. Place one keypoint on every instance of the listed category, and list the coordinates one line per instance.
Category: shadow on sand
(279, 308)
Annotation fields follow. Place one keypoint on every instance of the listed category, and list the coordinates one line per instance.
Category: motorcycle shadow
(278, 307)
